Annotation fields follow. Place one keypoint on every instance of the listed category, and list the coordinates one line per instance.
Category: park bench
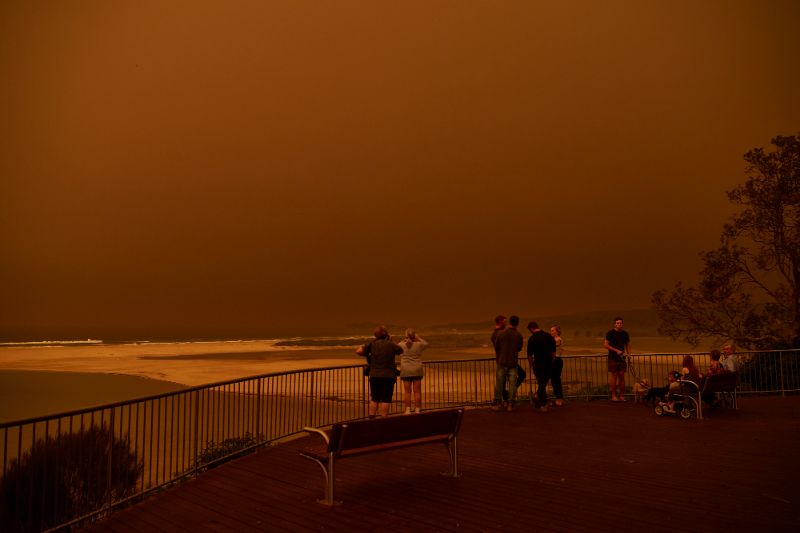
(723, 384)
(361, 437)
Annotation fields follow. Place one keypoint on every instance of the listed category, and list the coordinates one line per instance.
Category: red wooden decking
(596, 466)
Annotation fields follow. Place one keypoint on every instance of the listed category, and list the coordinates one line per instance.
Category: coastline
(53, 379)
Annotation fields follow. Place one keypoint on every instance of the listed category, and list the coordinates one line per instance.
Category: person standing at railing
(618, 344)
(411, 371)
(541, 354)
(499, 327)
(508, 345)
(558, 365)
(382, 370)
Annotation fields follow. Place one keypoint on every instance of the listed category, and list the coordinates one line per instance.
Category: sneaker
(510, 408)
(543, 409)
(559, 403)
(417, 411)
(407, 411)
(497, 407)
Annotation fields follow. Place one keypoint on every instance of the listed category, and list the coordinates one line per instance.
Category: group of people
(720, 363)
(543, 351)
(381, 355)
(544, 356)
(617, 342)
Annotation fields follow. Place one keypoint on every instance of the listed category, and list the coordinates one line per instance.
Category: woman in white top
(411, 371)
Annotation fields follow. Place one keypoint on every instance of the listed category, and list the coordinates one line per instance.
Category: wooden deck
(596, 466)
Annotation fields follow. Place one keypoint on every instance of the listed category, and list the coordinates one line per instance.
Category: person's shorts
(381, 389)
(617, 365)
(411, 378)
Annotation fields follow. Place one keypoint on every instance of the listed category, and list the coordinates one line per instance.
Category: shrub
(66, 477)
(227, 448)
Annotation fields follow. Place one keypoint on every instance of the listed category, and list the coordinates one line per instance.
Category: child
(716, 366)
(673, 390)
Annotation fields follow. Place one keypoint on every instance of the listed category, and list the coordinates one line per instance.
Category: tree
(750, 286)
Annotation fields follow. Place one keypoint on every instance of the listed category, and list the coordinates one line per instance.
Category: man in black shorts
(382, 370)
(618, 344)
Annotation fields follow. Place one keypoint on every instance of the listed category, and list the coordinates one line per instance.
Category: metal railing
(66, 468)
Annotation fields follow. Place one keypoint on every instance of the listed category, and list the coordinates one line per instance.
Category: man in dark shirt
(618, 344)
(499, 327)
(381, 354)
(541, 354)
(507, 347)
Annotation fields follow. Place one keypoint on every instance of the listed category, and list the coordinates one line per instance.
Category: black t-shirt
(382, 354)
(541, 345)
(617, 339)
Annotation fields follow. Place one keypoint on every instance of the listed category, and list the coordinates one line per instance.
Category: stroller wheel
(659, 410)
(686, 413)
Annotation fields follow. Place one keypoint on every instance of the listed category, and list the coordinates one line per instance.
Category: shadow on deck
(596, 466)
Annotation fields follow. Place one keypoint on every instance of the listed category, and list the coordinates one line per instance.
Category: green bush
(66, 477)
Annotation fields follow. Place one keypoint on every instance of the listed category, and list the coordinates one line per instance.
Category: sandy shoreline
(42, 380)
(186, 363)
(193, 363)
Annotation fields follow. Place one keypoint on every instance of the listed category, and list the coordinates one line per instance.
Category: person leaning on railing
(382, 370)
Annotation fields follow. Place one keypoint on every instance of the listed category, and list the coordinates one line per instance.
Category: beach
(41, 380)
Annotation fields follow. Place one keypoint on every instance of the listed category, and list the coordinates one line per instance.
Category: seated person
(729, 362)
(673, 390)
(690, 372)
(716, 366)
(714, 369)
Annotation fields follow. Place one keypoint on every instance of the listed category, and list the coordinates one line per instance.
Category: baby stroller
(678, 400)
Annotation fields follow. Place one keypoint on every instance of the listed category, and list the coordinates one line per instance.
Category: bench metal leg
(328, 470)
(329, 483)
(452, 450)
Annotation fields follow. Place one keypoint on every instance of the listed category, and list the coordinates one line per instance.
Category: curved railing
(60, 469)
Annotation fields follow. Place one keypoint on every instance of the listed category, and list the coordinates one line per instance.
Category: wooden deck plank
(593, 466)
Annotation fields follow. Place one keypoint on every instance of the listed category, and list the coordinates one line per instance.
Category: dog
(656, 394)
(640, 388)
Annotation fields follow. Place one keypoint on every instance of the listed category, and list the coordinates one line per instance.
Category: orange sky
(267, 163)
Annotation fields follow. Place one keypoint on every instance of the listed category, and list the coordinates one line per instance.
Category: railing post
(110, 458)
(780, 371)
(363, 394)
(196, 431)
(313, 399)
(258, 410)
(475, 389)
